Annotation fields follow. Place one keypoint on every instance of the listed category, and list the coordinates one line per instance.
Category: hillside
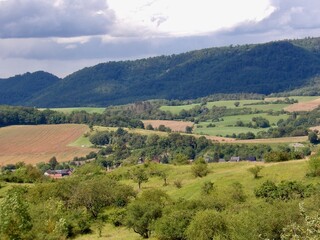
(263, 68)
(20, 88)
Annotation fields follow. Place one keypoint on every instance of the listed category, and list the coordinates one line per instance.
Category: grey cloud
(293, 18)
(53, 18)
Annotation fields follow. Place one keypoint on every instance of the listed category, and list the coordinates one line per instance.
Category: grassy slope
(78, 109)
(222, 175)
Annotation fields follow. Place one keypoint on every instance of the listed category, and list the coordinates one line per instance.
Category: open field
(227, 126)
(299, 98)
(86, 109)
(230, 104)
(304, 106)
(33, 144)
(177, 126)
(177, 109)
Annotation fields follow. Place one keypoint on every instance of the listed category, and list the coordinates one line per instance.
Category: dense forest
(264, 68)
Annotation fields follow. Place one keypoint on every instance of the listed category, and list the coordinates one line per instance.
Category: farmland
(177, 126)
(227, 126)
(78, 109)
(33, 144)
(254, 104)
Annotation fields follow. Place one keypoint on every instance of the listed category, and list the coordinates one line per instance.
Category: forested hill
(262, 68)
(21, 88)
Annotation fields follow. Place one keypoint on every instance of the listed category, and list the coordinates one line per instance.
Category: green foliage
(139, 175)
(180, 159)
(206, 225)
(310, 229)
(15, 220)
(313, 137)
(255, 171)
(172, 226)
(200, 168)
(314, 166)
(144, 211)
(285, 190)
(207, 187)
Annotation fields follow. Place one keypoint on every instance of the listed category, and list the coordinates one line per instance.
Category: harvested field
(275, 140)
(33, 144)
(176, 126)
(303, 106)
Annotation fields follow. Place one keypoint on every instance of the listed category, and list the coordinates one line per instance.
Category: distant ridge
(258, 68)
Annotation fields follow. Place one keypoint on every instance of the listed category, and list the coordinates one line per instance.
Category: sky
(63, 36)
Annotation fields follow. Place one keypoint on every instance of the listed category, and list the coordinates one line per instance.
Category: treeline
(10, 115)
(120, 146)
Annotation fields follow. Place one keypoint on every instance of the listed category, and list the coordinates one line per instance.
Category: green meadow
(243, 104)
(78, 109)
(227, 126)
(177, 109)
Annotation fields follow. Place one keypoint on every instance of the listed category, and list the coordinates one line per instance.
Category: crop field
(304, 106)
(86, 109)
(33, 144)
(177, 126)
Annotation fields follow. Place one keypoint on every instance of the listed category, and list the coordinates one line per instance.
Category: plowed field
(33, 144)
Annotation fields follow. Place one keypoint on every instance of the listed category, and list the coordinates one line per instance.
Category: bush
(314, 166)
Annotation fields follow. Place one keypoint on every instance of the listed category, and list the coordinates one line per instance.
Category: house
(56, 174)
(251, 159)
(221, 160)
(234, 159)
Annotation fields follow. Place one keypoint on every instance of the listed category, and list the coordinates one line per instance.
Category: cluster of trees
(121, 145)
(90, 198)
(62, 209)
(10, 115)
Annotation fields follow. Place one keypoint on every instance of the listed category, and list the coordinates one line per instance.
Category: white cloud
(180, 17)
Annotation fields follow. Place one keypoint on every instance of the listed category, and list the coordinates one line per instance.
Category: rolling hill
(262, 68)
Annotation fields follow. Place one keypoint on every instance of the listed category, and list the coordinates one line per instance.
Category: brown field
(176, 126)
(275, 140)
(303, 106)
(33, 144)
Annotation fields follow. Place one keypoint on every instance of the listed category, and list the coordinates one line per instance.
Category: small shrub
(178, 183)
(207, 187)
(255, 171)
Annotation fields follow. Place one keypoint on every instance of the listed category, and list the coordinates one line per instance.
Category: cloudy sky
(62, 36)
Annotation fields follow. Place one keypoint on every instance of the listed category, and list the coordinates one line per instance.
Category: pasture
(78, 109)
(177, 109)
(33, 144)
(227, 126)
(244, 103)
